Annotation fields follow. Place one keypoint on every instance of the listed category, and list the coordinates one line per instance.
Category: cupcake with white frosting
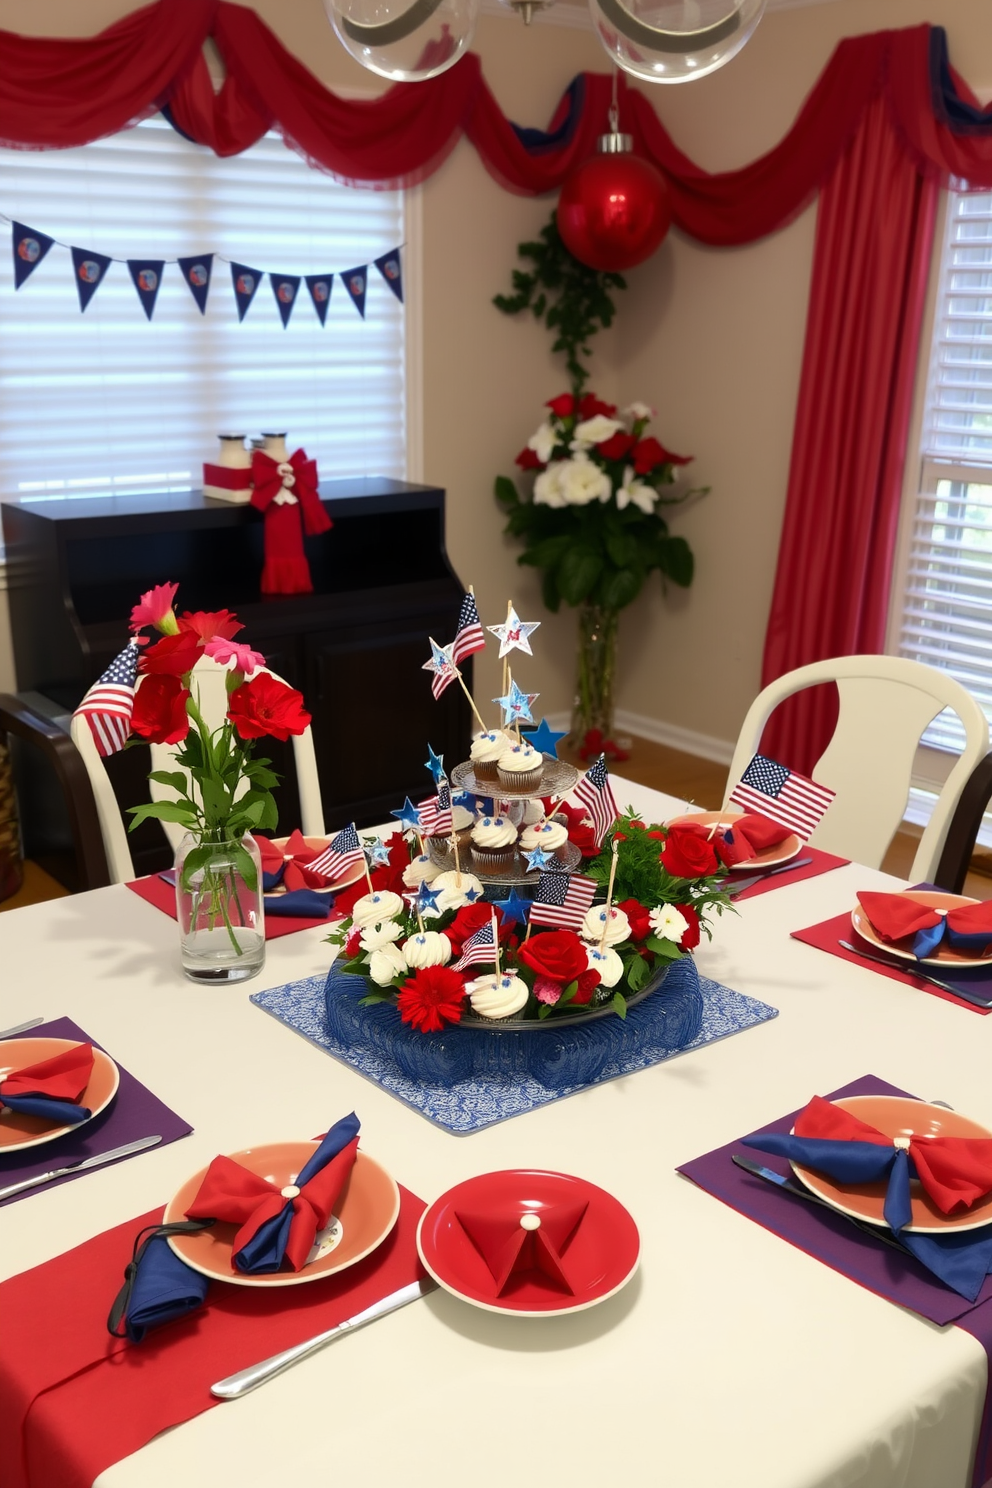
(520, 766)
(454, 889)
(606, 927)
(497, 997)
(462, 822)
(549, 835)
(428, 948)
(421, 869)
(485, 752)
(372, 909)
(493, 842)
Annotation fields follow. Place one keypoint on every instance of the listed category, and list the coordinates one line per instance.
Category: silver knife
(910, 969)
(239, 1384)
(6, 1033)
(786, 1184)
(748, 883)
(89, 1162)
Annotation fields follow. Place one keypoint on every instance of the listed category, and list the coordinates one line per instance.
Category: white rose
(547, 487)
(374, 937)
(581, 482)
(386, 965)
(636, 411)
(373, 909)
(429, 948)
(637, 492)
(543, 442)
(592, 926)
(607, 963)
(594, 431)
(667, 923)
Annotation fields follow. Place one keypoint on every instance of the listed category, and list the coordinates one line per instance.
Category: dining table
(731, 1358)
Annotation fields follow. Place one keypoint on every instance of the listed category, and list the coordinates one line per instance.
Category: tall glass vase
(593, 708)
(220, 909)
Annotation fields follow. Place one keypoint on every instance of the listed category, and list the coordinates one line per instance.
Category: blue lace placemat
(470, 1105)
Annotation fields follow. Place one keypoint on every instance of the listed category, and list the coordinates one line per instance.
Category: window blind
(108, 401)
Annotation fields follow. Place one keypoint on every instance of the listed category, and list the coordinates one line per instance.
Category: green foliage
(573, 300)
(641, 876)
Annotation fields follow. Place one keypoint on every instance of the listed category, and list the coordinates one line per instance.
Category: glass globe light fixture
(404, 40)
(674, 41)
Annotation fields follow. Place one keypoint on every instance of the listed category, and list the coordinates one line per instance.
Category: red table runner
(155, 890)
(823, 862)
(74, 1400)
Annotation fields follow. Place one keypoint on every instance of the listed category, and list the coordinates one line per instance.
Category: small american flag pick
(343, 850)
(781, 795)
(108, 705)
(435, 813)
(593, 790)
(479, 947)
(562, 899)
(469, 636)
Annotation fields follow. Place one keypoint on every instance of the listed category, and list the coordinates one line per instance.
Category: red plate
(599, 1257)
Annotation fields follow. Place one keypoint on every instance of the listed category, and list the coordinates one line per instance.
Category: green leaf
(195, 859)
(619, 1004)
(547, 552)
(637, 973)
(567, 994)
(550, 592)
(620, 588)
(656, 944)
(544, 1011)
(676, 561)
(177, 779)
(216, 799)
(506, 491)
(258, 774)
(172, 811)
(622, 547)
(577, 574)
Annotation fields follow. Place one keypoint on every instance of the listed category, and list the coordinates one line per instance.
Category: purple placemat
(134, 1112)
(829, 1238)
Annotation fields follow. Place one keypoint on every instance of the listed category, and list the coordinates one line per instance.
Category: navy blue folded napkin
(303, 904)
(158, 1286)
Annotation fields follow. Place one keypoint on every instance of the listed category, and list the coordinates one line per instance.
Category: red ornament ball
(613, 211)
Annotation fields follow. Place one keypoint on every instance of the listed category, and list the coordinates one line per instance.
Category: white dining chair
(209, 680)
(886, 703)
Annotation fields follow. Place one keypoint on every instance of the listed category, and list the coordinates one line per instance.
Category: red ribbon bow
(294, 858)
(63, 1077)
(894, 917)
(298, 475)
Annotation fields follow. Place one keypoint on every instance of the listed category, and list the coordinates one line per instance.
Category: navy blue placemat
(471, 1105)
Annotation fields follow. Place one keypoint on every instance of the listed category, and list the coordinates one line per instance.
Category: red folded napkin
(63, 1077)
(749, 836)
(895, 917)
(508, 1248)
(955, 1171)
(294, 857)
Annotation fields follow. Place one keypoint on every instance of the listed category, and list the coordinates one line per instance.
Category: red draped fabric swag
(885, 126)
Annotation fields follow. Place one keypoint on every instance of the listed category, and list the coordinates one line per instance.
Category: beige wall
(711, 337)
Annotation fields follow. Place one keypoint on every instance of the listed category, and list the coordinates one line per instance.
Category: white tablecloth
(732, 1358)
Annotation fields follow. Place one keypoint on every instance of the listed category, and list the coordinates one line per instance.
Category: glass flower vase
(220, 909)
(593, 707)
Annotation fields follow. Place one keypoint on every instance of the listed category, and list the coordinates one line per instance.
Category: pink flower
(156, 609)
(545, 990)
(235, 656)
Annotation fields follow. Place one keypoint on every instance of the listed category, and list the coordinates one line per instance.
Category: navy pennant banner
(355, 281)
(147, 276)
(284, 287)
(390, 269)
(196, 271)
(320, 286)
(29, 248)
(246, 282)
(90, 271)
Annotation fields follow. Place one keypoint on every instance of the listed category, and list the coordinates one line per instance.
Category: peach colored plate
(18, 1131)
(900, 1116)
(366, 1212)
(945, 955)
(318, 844)
(782, 852)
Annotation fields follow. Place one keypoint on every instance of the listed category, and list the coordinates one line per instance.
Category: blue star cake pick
(544, 738)
(537, 860)
(514, 909)
(435, 763)
(427, 899)
(516, 705)
(408, 816)
(376, 851)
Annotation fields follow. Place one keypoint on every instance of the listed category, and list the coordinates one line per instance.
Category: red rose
(563, 405)
(173, 655)
(433, 996)
(266, 706)
(688, 853)
(527, 460)
(588, 982)
(649, 454)
(617, 446)
(558, 955)
(208, 624)
(160, 710)
(472, 917)
(690, 939)
(640, 925)
(590, 405)
(353, 944)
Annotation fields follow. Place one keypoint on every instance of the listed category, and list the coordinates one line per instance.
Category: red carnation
(558, 955)
(588, 982)
(527, 460)
(266, 706)
(649, 454)
(433, 996)
(353, 944)
(590, 405)
(209, 624)
(640, 925)
(690, 939)
(563, 405)
(160, 710)
(617, 447)
(688, 853)
(173, 655)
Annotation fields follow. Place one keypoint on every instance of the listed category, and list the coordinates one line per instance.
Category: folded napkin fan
(896, 917)
(52, 1087)
(278, 1226)
(303, 904)
(289, 865)
(519, 1241)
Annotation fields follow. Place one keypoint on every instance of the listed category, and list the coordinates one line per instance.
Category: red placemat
(826, 937)
(823, 862)
(155, 890)
(74, 1400)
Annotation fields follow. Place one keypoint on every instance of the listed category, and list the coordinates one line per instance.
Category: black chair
(962, 833)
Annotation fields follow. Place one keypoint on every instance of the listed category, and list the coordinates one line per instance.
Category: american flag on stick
(562, 899)
(469, 636)
(340, 853)
(781, 795)
(435, 813)
(108, 705)
(593, 790)
(479, 947)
